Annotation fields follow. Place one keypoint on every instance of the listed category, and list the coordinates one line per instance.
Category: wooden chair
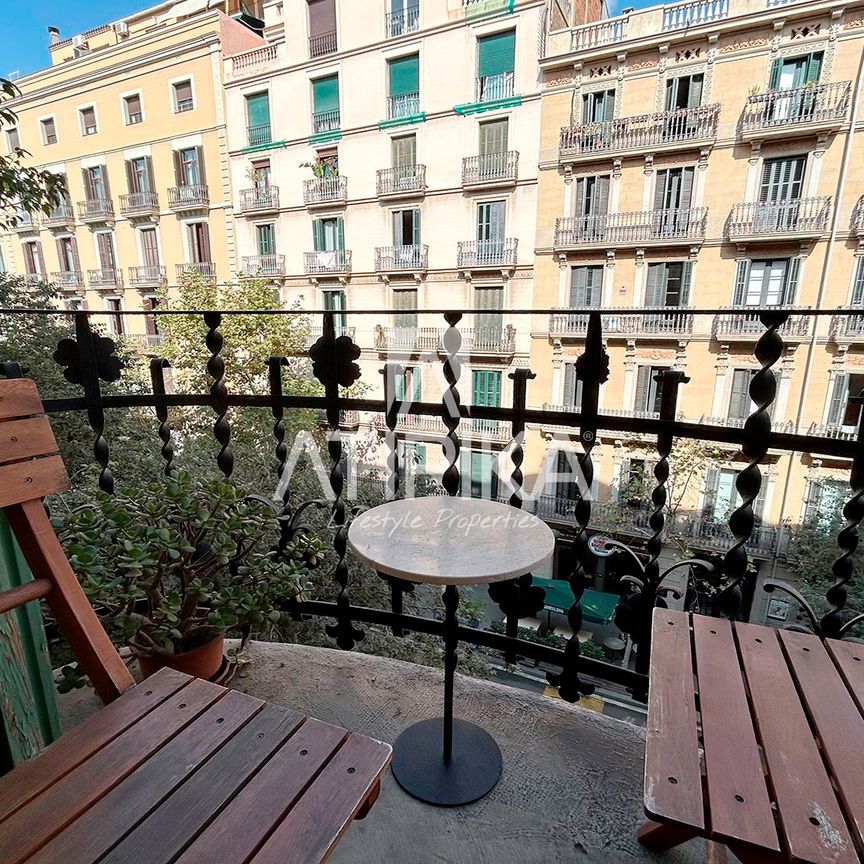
(175, 769)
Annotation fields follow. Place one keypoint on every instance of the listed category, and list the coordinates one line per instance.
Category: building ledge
(269, 145)
(469, 108)
(402, 121)
(325, 137)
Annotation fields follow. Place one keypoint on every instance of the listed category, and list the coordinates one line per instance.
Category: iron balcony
(192, 197)
(405, 21)
(258, 135)
(325, 190)
(322, 44)
(389, 258)
(772, 220)
(263, 265)
(96, 210)
(259, 199)
(25, 221)
(669, 325)
(147, 276)
(646, 227)
(490, 169)
(331, 261)
(403, 105)
(60, 216)
(406, 181)
(808, 109)
(493, 340)
(325, 121)
(205, 269)
(106, 277)
(489, 88)
(139, 204)
(68, 278)
(847, 326)
(742, 325)
(477, 254)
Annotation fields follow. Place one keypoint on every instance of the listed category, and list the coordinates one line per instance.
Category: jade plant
(175, 564)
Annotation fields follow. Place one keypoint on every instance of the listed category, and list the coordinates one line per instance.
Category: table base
(420, 769)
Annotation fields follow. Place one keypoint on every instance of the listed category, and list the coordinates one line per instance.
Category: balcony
(325, 121)
(323, 44)
(693, 13)
(258, 135)
(599, 33)
(805, 110)
(414, 258)
(334, 261)
(194, 197)
(772, 221)
(407, 338)
(66, 279)
(406, 181)
(403, 106)
(670, 325)
(106, 277)
(490, 170)
(205, 269)
(263, 265)
(400, 23)
(147, 276)
(60, 216)
(833, 430)
(491, 88)
(745, 326)
(496, 340)
(316, 331)
(847, 326)
(661, 131)
(139, 204)
(96, 210)
(252, 61)
(25, 221)
(482, 254)
(622, 230)
(259, 199)
(325, 191)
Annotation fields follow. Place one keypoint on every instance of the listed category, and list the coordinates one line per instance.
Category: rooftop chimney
(54, 35)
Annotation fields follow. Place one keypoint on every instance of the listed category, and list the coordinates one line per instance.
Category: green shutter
(496, 53)
(493, 137)
(340, 233)
(814, 68)
(776, 71)
(318, 235)
(742, 275)
(578, 287)
(325, 94)
(404, 151)
(266, 240)
(404, 75)
(858, 284)
(258, 110)
(569, 384)
(712, 478)
(739, 402)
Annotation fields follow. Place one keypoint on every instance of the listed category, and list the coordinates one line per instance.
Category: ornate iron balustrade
(404, 180)
(147, 276)
(832, 430)
(25, 221)
(325, 121)
(106, 277)
(258, 135)
(325, 190)
(205, 269)
(263, 265)
(139, 204)
(636, 133)
(60, 215)
(259, 198)
(407, 338)
(802, 216)
(819, 104)
(35, 278)
(471, 254)
(847, 326)
(628, 229)
(749, 324)
(406, 21)
(317, 331)
(68, 278)
(488, 88)
(323, 43)
(330, 261)
(599, 33)
(414, 257)
(188, 197)
(403, 105)
(490, 168)
(669, 324)
(694, 13)
(96, 210)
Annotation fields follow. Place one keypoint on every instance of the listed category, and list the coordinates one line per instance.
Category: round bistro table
(449, 542)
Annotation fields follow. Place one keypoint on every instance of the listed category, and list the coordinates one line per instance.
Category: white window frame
(42, 137)
(8, 136)
(172, 93)
(125, 108)
(80, 109)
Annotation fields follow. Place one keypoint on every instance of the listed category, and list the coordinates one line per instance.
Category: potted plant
(172, 566)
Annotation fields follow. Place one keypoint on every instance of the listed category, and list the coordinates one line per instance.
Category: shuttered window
(572, 387)
(858, 284)
(406, 227)
(133, 109)
(189, 166)
(592, 196)
(95, 183)
(88, 121)
(199, 242)
(598, 107)
(586, 286)
(488, 322)
(674, 189)
(183, 100)
(496, 53)
(328, 235)
(49, 131)
(477, 474)
(648, 391)
(105, 245)
(408, 384)
(325, 94)
(335, 301)
(740, 406)
(486, 390)
(149, 247)
(788, 73)
(841, 412)
(668, 284)
(139, 173)
(493, 137)
(685, 91)
(67, 254)
(404, 151)
(782, 179)
(405, 306)
(13, 140)
(404, 75)
(266, 235)
(490, 222)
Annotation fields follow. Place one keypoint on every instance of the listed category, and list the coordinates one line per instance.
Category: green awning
(598, 607)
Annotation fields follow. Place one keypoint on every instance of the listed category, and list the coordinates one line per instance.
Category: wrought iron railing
(487, 253)
(813, 103)
(263, 265)
(188, 197)
(622, 229)
(321, 190)
(749, 323)
(404, 21)
(693, 13)
(599, 33)
(488, 88)
(325, 121)
(258, 135)
(403, 105)
(323, 43)
(413, 257)
(68, 278)
(635, 133)
(62, 214)
(403, 180)
(95, 209)
(490, 167)
(259, 198)
(329, 261)
(669, 324)
(105, 277)
(205, 269)
(135, 203)
(147, 276)
(770, 218)
(848, 325)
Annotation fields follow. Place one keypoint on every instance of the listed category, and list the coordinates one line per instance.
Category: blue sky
(24, 29)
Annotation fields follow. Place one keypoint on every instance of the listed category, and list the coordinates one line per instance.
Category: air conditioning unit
(121, 28)
(78, 41)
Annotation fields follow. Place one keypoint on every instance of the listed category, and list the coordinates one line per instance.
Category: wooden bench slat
(78, 744)
(36, 478)
(836, 718)
(36, 589)
(267, 797)
(97, 830)
(320, 818)
(19, 398)
(24, 439)
(811, 819)
(172, 826)
(25, 831)
(849, 658)
(673, 779)
(738, 802)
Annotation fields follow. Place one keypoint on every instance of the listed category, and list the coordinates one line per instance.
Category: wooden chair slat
(24, 439)
(117, 813)
(80, 743)
(267, 797)
(849, 657)
(812, 821)
(26, 593)
(673, 779)
(28, 829)
(34, 479)
(162, 836)
(738, 801)
(19, 398)
(836, 718)
(317, 822)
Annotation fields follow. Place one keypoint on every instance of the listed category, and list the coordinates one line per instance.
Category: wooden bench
(755, 741)
(175, 769)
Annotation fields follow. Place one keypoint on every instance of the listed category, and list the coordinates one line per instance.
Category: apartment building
(700, 155)
(371, 171)
(131, 113)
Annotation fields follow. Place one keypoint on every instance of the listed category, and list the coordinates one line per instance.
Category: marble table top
(450, 541)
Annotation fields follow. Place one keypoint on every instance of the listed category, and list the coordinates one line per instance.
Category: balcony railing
(476, 340)
(325, 121)
(188, 197)
(96, 210)
(325, 190)
(62, 214)
(258, 135)
(205, 269)
(770, 218)
(25, 221)
(404, 180)
(406, 21)
(259, 198)
(487, 253)
(847, 325)
(694, 13)
(68, 278)
(632, 229)
(659, 130)
(145, 340)
(106, 277)
(488, 88)
(819, 104)
(490, 168)
(833, 430)
(414, 257)
(147, 276)
(263, 265)
(599, 33)
(331, 261)
(671, 324)
(253, 59)
(403, 105)
(323, 43)
(746, 325)
(139, 204)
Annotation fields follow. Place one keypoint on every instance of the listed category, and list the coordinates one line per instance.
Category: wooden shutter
(106, 250)
(601, 196)
(199, 158)
(204, 233)
(858, 284)
(496, 53)
(493, 137)
(581, 200)
(578, 287)
(812, 499)
(87, 178)
(814, 67)
(739, 401)
(149, 247)
(415, 237)
(686, 193)
(660, 189)
(318, 235)
(404, 74)
(643, 385)
(131, 179)
(179, 173)
(709, 497)
(671, 93)
(405, 152)
(839, 398)
(686, 279)
(655, 289)
(694, 97)
(776, 72)
(569, 385)
(148, 169)
(322, 17)
(742, 277)
(61, 253)
(793, 273)
(325, 94)
(340, 233)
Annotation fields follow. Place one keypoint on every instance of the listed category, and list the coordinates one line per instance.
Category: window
(782, 179)
(258, 119)
(88, 121)
(151, 322)
(189, 166)
(335, 301)
(684, 91)
(266, 238)
(412, 457)
(13, 141)
(105, 249)
(261, 174)
(403, 17)
(486, 388)
(565, 489)
(572, 387)
(648, 391)
(478, 475)
(488, 322)
(408, 384)
(183, 99)
(322, 27)
(405, 307)
(95, 183)
(668, 284)
(721, 497)
(766, 283)
(115, 315)
(495, 60)
(592, 202)
(490, 231)
(842, 412)
(132, 109)
(139, 174)
(857, 299)
(493, 137)
(740, 404)
(34, 263)
(149, 247)
(404, 152)
(327, 162)
(67, 255)
(599, 106)
(674, 189)
(825, 501)
(328, 234)
(325, 101)
(49, 131)
(790, 73)
(404, 83)
(586, 287)
(406, 229)
(198, 235)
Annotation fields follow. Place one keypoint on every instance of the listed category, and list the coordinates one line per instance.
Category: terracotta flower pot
(202, 662)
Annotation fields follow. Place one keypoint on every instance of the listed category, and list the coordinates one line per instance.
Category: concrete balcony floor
(571, 791)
